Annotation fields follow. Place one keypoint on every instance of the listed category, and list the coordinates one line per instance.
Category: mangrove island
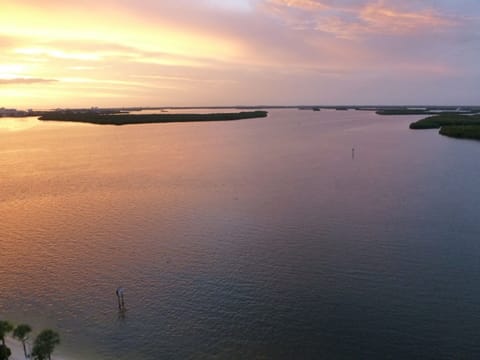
(452, 125)
(122, 118)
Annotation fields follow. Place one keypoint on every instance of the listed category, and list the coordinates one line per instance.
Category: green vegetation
(21, 333)
(437, 121)
(403, 111)
(4, 352)
(452, 125)
(5, 328)
(462, 131)
(45, 344)
(124, 119)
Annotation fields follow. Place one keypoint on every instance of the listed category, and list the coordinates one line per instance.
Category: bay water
(304, 235)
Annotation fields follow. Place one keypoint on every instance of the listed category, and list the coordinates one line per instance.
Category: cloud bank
(210, 52)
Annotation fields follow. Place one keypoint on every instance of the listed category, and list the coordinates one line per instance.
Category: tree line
(43, 346)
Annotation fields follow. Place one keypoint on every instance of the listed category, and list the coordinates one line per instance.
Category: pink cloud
(302, 4)
(382, 17)
(351, 20)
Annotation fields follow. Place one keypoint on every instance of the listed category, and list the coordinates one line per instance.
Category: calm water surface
(258, 238)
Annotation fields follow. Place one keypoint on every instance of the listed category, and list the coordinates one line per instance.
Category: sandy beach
(17, 349)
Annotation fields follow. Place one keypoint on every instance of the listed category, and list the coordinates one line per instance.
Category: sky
(82, 53)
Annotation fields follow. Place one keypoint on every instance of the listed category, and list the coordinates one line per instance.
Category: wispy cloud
(382, 16)
(301, 4)
(25, 81)
(57, 53)
(361, 18)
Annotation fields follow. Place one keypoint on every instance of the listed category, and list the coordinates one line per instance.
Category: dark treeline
(437, 121)
(461, 132)
(452, 125)
(124, 119)
(403, 112)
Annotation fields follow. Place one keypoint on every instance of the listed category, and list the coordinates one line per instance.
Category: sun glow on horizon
(118, 41)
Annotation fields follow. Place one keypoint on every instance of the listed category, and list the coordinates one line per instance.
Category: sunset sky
(62, 53)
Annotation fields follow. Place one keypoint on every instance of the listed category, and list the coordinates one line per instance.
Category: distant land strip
(126, 119)
(433, 111)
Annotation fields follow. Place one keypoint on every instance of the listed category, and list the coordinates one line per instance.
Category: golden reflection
(17, 124)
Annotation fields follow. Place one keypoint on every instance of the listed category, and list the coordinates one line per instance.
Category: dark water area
(263, 238)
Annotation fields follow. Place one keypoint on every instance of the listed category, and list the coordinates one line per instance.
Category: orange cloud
(113, 25)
